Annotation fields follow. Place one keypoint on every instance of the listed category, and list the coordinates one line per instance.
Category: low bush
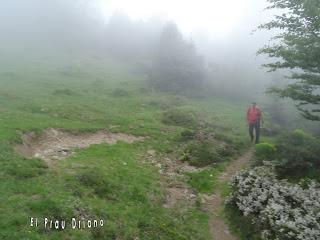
(169, 102)
(202, 148)
(187, 135)
(279, 210)
(64, 92)
(178, 117)
(264, 151)
(119, 92)
(295, 154)
(201, 154)
(160, 104)
(97, 181)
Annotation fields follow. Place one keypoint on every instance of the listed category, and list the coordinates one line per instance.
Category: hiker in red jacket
(254, 116)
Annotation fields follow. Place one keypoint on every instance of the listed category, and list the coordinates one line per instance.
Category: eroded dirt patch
(55, 144)
(176, 194)
(173, 171)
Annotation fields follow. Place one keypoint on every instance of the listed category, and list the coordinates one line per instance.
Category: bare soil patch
(173, 171)
(54, 144)
(179, 194)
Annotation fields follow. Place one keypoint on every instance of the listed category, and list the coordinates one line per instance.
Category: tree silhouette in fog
(176, 65)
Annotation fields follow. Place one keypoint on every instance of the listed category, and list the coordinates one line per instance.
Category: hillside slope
(124, 183)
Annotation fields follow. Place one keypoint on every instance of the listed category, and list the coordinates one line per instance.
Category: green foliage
(205, 144)
(264, 151)
(297, 154)
(201, 154)
(205, 181)
(294, 155)
(240, 224)
(169, 102)
(298, 48)
(119, 92)
(178, 117)
(97, 181)
(64, 92)
(187, 135)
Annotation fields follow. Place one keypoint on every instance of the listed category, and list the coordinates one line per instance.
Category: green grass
(206, 181)
(102, 181)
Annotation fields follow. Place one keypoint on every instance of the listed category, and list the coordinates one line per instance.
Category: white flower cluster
(281, 210)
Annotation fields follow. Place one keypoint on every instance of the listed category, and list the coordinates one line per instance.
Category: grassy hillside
(112, 182)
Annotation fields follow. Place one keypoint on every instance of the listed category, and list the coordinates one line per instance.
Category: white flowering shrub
(280, 210)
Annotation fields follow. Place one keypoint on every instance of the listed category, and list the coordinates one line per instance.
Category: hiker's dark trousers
(256, 127)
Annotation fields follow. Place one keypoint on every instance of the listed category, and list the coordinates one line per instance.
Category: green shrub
(226, 150)
(119, 92)
(64, 92)
(298, 137)
(187, 135)
(225, 138)
(159, 104)
(102, 186)
(170, 102)
(178, 117)
(240, 224)
(264, 151)
(297, 154)
(201, 154)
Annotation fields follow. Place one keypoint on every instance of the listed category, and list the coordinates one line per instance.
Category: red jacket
(253, 114)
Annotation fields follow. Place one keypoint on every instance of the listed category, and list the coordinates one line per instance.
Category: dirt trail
(214, 203)
(178, 192)
(236, 165)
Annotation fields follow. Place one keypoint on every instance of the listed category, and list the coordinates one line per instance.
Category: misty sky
(220, 28)
(217, 19)
(208, 22)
